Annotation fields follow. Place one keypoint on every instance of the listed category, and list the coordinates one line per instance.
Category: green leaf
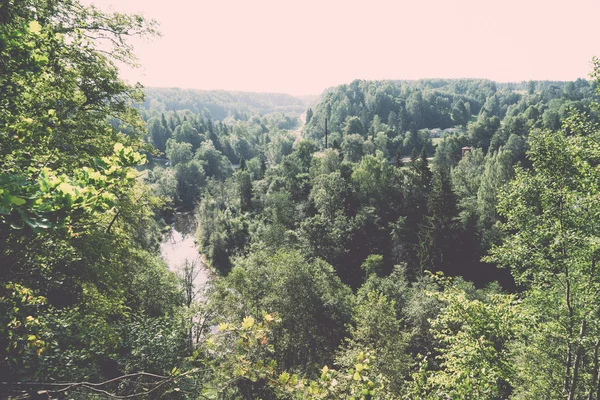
(16, 200)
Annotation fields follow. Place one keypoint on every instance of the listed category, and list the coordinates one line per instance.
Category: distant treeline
(219, 104)
(441, 103)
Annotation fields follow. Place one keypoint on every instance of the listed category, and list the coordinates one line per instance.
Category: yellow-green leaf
(35, 27)
(248, 322)
(284, 377)
(222, 327)
(66, 189)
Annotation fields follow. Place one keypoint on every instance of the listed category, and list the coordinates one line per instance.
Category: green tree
(378, 185)
(461, 113)
(309, 115)
(244, 181)
(377, 327)
(158, 134)
(354, 126)
(473, 334)
(312, 301)
(482, 131)
(178, 153)
(67, 186)
(214, 162)
(304, 151)
(552, 210)
(438, 236)
(329, 193)
(352, 147)
(190, 181)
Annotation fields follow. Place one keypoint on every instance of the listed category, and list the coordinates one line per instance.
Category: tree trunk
(325, 132)
(578, 356)
(113, 221)
(594, 373)
(570, 331)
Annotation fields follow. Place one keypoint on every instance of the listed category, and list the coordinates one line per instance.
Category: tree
(304, 151)
(178, 153)
(57, 88)
(214, 162)
(373, 265)
(309, 115)
(482, 131)
(377, 327)
(498, 171)
(329, 193)
(473, 335)
(398, 160)
(312, 301)
(186, 133)
(354, 126)
(378, 185)
(438, 235)
(461, 113)
(190, 181)
(244, 181)
(158, 134)
(553, 210)
(67, 186)
(352, 147)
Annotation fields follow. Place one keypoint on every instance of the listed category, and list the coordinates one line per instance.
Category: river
(178, 246)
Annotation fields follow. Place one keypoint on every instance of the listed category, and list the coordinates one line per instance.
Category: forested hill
(442, 103)
(219, 104)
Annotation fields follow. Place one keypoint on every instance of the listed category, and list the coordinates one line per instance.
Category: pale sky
(303, 47)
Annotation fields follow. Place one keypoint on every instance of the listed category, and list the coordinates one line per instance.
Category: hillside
(220, 103)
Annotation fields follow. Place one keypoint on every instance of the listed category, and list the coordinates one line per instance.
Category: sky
(304, 47)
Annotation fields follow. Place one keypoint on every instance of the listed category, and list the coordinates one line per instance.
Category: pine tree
(423, 169)
(245, 189)
(309, 115)
(263, 167)
(399, 162)
(439, 231)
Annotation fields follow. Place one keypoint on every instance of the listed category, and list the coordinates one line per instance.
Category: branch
(96, 387)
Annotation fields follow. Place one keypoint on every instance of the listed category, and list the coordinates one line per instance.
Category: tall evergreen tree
(439, 231)
(244, 180)
(309, 115)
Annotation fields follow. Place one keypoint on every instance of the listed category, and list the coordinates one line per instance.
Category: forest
(415, 239)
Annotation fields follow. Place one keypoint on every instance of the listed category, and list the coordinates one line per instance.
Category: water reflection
(179, 247)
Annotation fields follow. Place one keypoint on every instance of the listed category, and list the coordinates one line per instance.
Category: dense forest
(428, 239)
(218, 104)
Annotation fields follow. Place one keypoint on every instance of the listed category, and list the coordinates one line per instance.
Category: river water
(178, 246)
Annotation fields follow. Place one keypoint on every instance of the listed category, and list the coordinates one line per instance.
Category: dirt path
(298, 131)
